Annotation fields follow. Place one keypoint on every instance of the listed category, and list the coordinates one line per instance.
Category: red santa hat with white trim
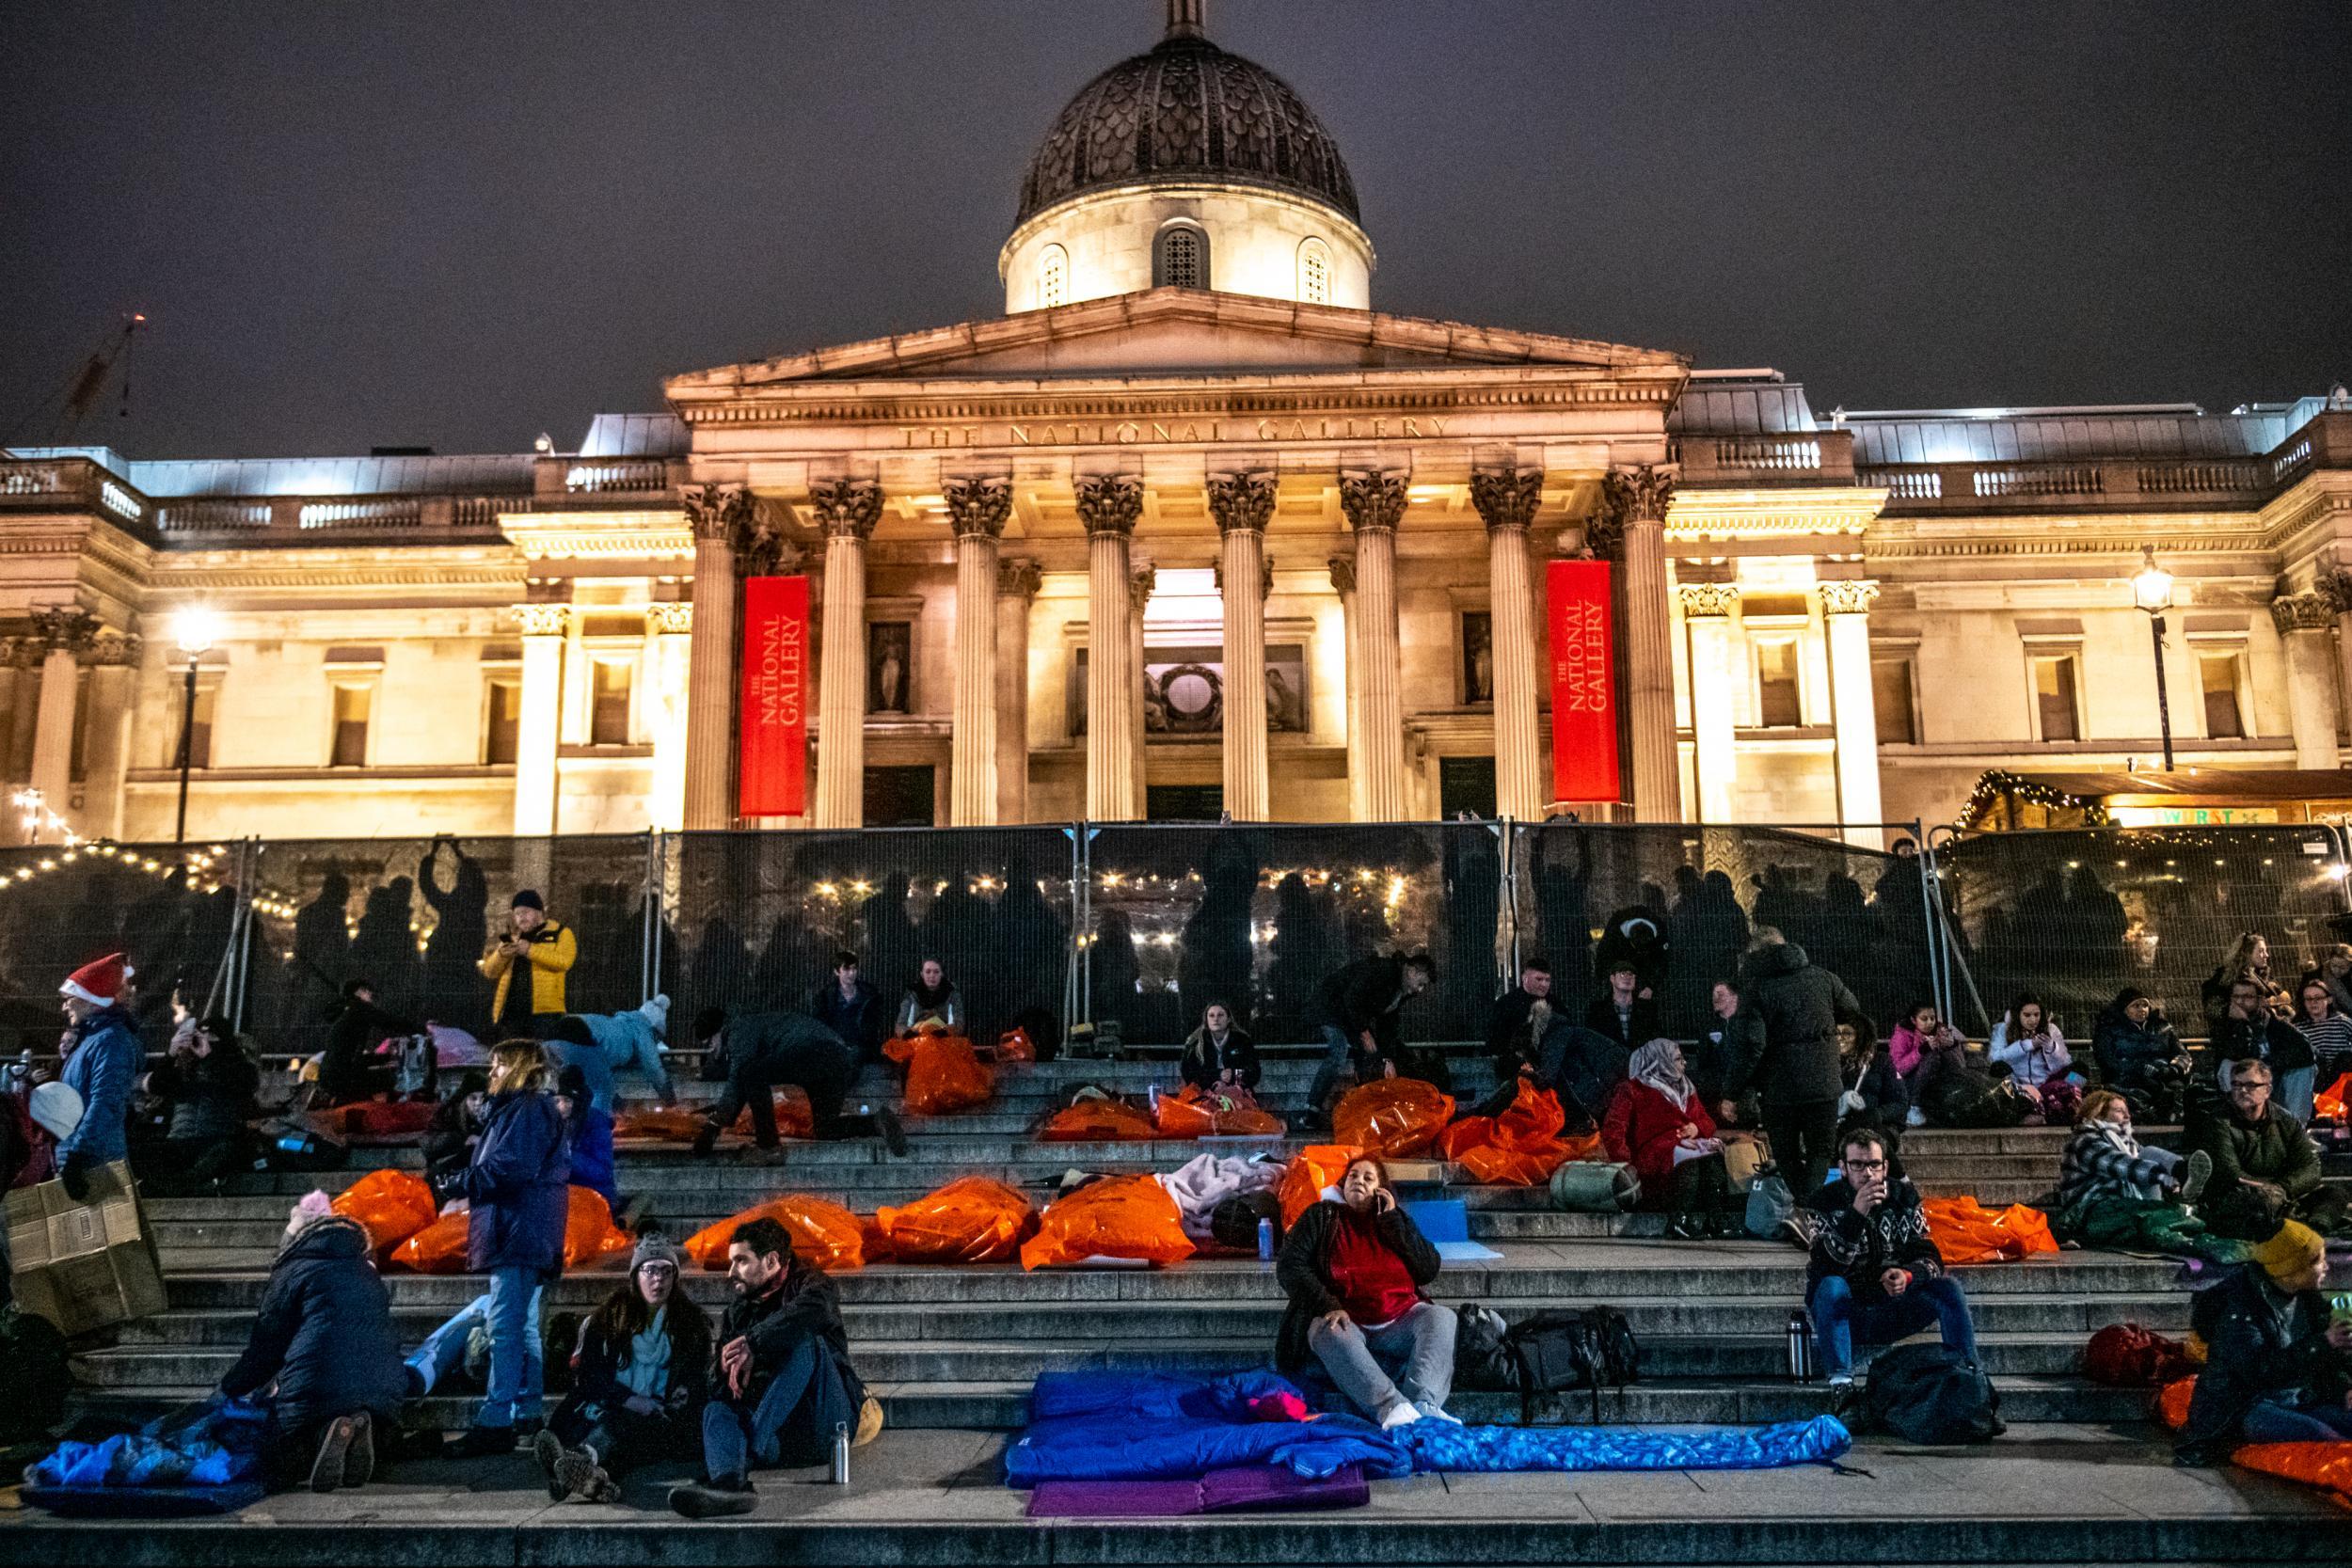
(98, 982)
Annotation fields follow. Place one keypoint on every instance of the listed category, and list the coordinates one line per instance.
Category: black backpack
(1557, 1350)
(1481, 1355)
(1233, 1223)
(1933, 1395)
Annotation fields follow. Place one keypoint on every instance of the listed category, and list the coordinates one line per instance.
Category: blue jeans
(444, 1349)
(2272, 1423)
(518, 1379)
(593, 1065)
(736, 1438)
(2297, 1088)
(1337, 1057)
(1839, 1320)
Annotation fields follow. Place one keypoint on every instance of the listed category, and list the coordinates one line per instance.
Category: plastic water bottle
(1153, 1093)
(1800, 1347)
(840, 1476)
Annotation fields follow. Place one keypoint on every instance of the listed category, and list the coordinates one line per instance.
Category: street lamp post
(2152, 590)
(194, 634)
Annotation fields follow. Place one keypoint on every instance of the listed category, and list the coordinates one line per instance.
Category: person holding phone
(1354, 1266)
(1876, 1276)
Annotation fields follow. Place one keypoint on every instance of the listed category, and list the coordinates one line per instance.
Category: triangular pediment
(1179, 332)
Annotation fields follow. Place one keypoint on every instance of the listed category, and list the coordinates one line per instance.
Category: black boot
(717, 1499)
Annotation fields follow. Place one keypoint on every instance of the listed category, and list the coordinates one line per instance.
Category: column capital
(846, 508)
(21, 653)
(1018, 577)
(978, 506)
(1507, 497)
(542, 619)
(2336, 583)
(1852, 596)
(1707, 598)
(1139, 584)
(2314, 612)
(1373, 501)
(1628, 497)
(1343, 574)
(1109, 503)
(64, 628)
(670, 618)
(716, 511)
(110, 648)
(1241, 501)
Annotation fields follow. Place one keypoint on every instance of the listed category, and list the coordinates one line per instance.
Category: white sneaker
(1399, 1414)
(1439, 1413)
(1846, 1382)
(1915, 1118)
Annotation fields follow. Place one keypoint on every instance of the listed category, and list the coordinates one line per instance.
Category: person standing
(103, 1065)
(1797, 1072)
(518, 1189)
(852, 1009)
(769, 1049)
(546, 951)
(1734, 1033)
(1875, 1274)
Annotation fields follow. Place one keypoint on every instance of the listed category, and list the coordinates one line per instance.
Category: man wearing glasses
(1875, 1276)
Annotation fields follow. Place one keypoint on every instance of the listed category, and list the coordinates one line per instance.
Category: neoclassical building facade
(1191, 529)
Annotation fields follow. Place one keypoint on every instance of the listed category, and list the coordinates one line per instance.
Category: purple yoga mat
(1241, 1487)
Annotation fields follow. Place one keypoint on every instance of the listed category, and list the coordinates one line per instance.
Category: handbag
(1745, 1160)
(1770, 1205)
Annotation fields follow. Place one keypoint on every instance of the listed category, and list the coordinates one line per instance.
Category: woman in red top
(1658, 1123)
(1354, 1270)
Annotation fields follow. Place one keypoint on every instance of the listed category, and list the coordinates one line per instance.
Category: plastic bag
(1014, 1045)
(1186, 1114)
(1393, 1118)
(973, 1219)
(1120, 1216)
(392, 1205)
(1523, 1147)
(2326, 1465)
(589, 1232)
(380, 1121)
(795, 1117)
(2172, 1403)
(1314, 1167)
(439, 1248)
(944, 1074)
(1248, 1122)
(1096, 1122)
(1965, 1231)
(2329, 1103)
(823, 1232)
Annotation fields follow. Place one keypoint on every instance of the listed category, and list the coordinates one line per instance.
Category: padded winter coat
(553, 952)
(103, 1069)
(324, 1332)
(1642, 1128)
(517, 1186)
(1800, 1004)
(2255, 1352)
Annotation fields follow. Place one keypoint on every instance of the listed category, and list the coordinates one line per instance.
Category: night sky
(458, 225)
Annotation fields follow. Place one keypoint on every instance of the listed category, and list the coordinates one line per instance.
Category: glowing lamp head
(2152, 585)
(195, 630)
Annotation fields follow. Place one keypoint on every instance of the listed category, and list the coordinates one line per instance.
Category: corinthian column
(1140, 581)
(1241, 504)
(1707, 609)
(1507, 501)
(1374, 504)
(1109, 504)
(1017, 582)
(66, 633)
(669, 644)
(1853, 709)
(539, 725)
(847, 512)
(978, 508)
(1344, 584)
(717, 512)
(1636, 500)
(2304, 620)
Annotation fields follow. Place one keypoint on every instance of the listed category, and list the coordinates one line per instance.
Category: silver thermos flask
(1800, 1347)
(840, 1476)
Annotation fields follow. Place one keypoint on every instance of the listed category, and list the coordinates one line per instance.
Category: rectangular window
(201, 732)
(1779, 688)
(2055, 699)
(502, 723)
(351, 706)
(2217, 675)
(608, 715)
(1890, 695)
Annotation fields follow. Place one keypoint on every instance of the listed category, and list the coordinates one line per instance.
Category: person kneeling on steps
(1354, 1269)
(1876, 1276)
(784, 1380)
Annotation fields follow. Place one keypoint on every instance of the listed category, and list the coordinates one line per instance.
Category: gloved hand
(75, 1176)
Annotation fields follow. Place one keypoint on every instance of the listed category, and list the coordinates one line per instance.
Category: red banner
(774, 777)
(1584, 684)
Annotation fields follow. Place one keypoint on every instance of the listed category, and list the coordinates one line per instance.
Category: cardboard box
(84, 1265)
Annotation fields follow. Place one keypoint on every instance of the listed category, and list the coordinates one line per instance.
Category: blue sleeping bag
(208, 1445)
(1139, 1426)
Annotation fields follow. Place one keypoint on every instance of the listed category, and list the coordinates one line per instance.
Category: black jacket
(353, 1029)
(324, 1332)
(1601, 1017)
(1724, 1050)
(806, 1301)
(1800, 1004)
(518, 1185)
(1303, 1269)
(2254, 1351)
(1859, 1248)
(861, 1019)
(446, 1152)
(1203, 1061)
(1502, 1029)
(1364, 995)
(2273, 1039)
(596, 1387)
(211, 1096)
(2124, 1050)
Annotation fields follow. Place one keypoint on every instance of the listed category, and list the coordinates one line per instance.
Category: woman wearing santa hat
(103, 1061)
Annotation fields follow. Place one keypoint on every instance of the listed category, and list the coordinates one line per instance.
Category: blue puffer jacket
(324, 1332)
(103, 1070)
(516, 1186)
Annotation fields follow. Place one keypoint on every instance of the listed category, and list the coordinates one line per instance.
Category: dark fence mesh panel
(1858, 912)
(1258, 916)
(754, 919)
(414, 918)
(170, 908)
(2075, 915)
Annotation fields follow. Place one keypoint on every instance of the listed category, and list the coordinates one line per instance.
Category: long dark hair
(624, 1315)
(2025, 999)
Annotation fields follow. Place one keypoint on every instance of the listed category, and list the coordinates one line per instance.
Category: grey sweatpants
(1421, 1343)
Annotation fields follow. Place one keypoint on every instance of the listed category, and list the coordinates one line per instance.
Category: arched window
(1315, 273)
(1053, 277)
(1182, 259)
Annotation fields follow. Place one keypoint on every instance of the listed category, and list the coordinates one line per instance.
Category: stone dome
(1187, 110)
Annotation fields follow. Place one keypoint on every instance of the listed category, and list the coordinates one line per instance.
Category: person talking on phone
(1876, 1276)
(1354, 1266)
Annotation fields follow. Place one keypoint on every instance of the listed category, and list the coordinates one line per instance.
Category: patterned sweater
(1859, 1248)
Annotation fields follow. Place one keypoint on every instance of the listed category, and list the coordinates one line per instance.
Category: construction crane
(66, 409)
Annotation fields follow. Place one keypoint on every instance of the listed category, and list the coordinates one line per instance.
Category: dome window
(1315, 273)
(1053, 277)
(1180, 260)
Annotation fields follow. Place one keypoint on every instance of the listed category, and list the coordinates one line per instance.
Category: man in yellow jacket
(547, 950)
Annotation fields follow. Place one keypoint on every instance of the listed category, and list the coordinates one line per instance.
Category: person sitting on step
(765, 1049)
(322, 1353)
(1658, 1123)
(2277, 1368)
(2026, 1040)
(2265, 1168)
(1220, 1054)
(1354, 1266)
(2114, 1191)
(2140, 1056)
(639, 1379)
(1623, 1011)
(589, 1132)
(931, 1002)
(1876, 1276)
(783, 1382)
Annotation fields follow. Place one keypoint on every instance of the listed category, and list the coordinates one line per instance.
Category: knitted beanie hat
(654, 1247)
(2295, 1249)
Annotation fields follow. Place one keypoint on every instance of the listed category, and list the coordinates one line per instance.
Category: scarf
(2115, 1139)
(928, 999)
(1648, 1066)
